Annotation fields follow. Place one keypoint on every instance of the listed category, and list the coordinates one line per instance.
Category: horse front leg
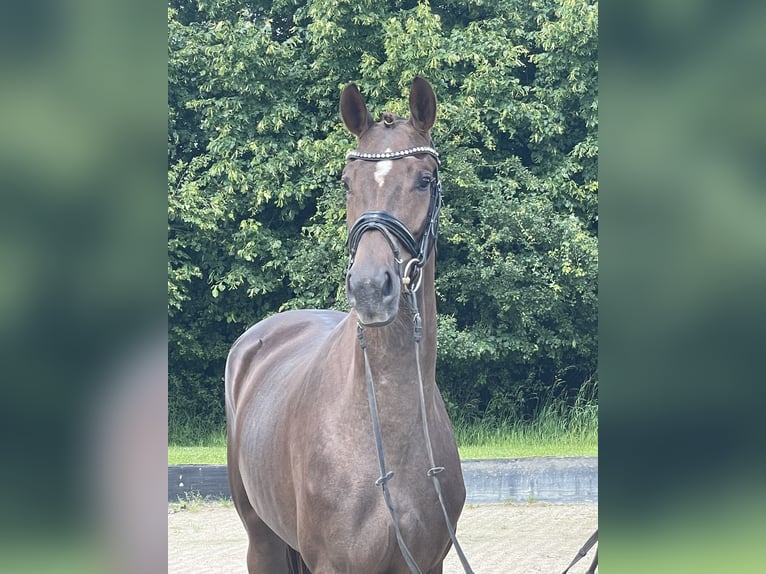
(266, 552)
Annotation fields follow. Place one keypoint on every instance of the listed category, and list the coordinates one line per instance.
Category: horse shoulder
(278, 342)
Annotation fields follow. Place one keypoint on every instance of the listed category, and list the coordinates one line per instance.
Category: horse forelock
(400, 135)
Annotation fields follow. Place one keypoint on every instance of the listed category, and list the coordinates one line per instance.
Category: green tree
(257, 216)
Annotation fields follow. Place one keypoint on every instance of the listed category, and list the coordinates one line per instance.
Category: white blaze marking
(381, 170)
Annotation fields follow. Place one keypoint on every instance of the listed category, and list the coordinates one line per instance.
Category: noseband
(392, 228)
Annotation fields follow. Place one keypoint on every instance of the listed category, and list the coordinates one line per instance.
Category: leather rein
(411, 276)
(392, 228)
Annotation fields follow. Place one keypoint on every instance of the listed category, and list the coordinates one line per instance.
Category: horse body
(301, 454)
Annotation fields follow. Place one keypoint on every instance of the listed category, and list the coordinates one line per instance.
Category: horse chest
(343, 523)
(355, 534)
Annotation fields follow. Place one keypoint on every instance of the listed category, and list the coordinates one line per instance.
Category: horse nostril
(388, 285)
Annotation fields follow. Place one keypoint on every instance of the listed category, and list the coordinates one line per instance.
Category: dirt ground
(496, 538)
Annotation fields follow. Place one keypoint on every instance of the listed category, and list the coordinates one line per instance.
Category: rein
(583, 551)
(392, 228)
(433, 471)
(410, 276)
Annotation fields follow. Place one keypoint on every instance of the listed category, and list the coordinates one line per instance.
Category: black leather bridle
(392, 228)
(395, 231)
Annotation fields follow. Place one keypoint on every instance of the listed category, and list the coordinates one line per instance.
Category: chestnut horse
(308, 433)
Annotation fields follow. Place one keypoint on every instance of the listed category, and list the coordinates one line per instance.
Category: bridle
(392, 228)
(411, 277)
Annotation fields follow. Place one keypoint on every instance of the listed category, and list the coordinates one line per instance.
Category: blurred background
(83, 291)
(682, 276)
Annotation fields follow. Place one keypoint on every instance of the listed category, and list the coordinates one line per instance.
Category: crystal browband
(353, 154)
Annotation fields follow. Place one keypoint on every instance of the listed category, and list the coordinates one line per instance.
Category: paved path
(497, 538)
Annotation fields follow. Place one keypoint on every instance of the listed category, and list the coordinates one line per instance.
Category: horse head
(393, 199)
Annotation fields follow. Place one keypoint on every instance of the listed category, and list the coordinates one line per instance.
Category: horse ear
(353, 111)
(422, 105)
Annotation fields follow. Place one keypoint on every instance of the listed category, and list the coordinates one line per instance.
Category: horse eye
(344, 183)
(425, 181)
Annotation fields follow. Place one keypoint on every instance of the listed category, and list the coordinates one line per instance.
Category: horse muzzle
(374, 295)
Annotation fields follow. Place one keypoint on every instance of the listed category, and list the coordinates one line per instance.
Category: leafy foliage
(256, 216)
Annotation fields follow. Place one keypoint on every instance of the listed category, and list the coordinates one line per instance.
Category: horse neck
(391, 349)
(427, 308)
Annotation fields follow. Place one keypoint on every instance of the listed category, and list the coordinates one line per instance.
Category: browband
(378, 156)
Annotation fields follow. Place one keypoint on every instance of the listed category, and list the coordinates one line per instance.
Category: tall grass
(186, 431)
(557, 427)
(193, 441)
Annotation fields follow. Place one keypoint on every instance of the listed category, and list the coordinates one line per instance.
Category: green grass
(557, 430)
(514, 443)
(520, 440)
(195, 445)
(199, 454)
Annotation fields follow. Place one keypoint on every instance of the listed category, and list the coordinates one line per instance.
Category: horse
(318, 400)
